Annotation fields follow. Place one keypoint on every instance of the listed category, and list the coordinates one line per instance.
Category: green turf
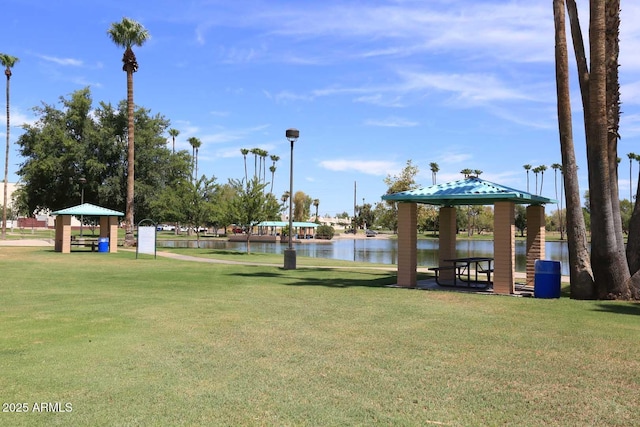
(167, 342)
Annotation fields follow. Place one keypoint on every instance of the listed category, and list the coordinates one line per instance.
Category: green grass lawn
(168, 342)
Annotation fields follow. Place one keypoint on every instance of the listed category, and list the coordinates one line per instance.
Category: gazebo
(471, 191)
(108, 225)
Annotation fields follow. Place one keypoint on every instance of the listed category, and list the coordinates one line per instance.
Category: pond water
(382, 251)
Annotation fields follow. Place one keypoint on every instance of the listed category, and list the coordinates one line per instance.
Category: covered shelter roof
(467, 191)
(89, 210)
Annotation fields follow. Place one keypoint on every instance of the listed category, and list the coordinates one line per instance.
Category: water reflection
(382, 251)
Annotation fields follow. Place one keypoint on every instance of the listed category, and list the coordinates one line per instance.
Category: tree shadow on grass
(318, 277)
(629, 308)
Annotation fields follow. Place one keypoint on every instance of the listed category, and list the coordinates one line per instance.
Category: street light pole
(290, 253)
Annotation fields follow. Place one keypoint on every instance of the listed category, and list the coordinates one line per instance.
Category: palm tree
(632, 157)
(244, 152)
(434, 170)
(536, 171)
(541, 168)
(284, 198)
(195, 146)
(316, 203)
(126, 34)
(8, 62)
(255, 152)
(466, 172)
(478, 172)
(272, 169)
(527, 168)
(174, 133)
(263, 161)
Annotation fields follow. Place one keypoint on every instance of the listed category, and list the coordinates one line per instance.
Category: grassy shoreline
(169, 342)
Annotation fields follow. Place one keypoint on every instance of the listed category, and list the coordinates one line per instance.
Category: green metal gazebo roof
(89, 210)
(467, 191)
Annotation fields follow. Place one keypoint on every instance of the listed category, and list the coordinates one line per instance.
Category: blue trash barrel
(546, 282)
(103, 244)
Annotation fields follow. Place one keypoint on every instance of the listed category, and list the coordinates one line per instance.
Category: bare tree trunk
(129, 239)
(608, 262)
(633, 241)
(612, 48)
(582, 284)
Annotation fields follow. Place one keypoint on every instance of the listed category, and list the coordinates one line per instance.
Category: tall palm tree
(272, 169)
(541, 168)
(174, 133)
(434, 170)
(195, 146)
(527, 168)
(128, 33)
(316, 203)
(8, 62)
(631, 157)
(284, 198)
(244, 152)
(255, 152)
(536, 171)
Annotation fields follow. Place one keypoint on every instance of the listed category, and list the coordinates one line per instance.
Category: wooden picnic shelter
(108, 225)
(471, 191)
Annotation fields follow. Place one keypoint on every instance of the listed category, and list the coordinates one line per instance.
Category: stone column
(447, 241)
(535, 239)
(407, 244)
(504, 248)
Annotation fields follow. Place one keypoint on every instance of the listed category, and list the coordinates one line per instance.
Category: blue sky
(369, 84)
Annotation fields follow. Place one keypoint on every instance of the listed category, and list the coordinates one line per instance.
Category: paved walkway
(26, 242)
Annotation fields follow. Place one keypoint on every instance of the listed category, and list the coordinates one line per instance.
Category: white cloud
(62, 61)
(391, 122)
(369, 167)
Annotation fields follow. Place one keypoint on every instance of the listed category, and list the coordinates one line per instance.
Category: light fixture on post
(290, 253)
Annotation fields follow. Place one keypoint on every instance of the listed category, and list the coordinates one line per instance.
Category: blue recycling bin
(103, 244)
(547, 277)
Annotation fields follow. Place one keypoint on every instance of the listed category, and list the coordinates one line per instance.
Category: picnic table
(462, 271)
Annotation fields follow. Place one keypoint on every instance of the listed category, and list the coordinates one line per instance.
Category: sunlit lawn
(167, 342)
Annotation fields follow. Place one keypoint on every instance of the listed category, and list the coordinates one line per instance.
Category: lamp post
(290, 253)
(82, 181)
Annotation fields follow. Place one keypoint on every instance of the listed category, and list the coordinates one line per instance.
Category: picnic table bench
(85, 242)
(462, 271)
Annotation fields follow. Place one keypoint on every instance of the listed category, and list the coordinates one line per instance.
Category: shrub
(325, 232)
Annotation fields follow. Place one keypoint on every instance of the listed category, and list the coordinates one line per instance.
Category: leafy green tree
(55, 153)
(248, 208)
(428, 218)
(301, 206)
(404, 181)
(76, 141)
(521, 219)
(126, 34)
